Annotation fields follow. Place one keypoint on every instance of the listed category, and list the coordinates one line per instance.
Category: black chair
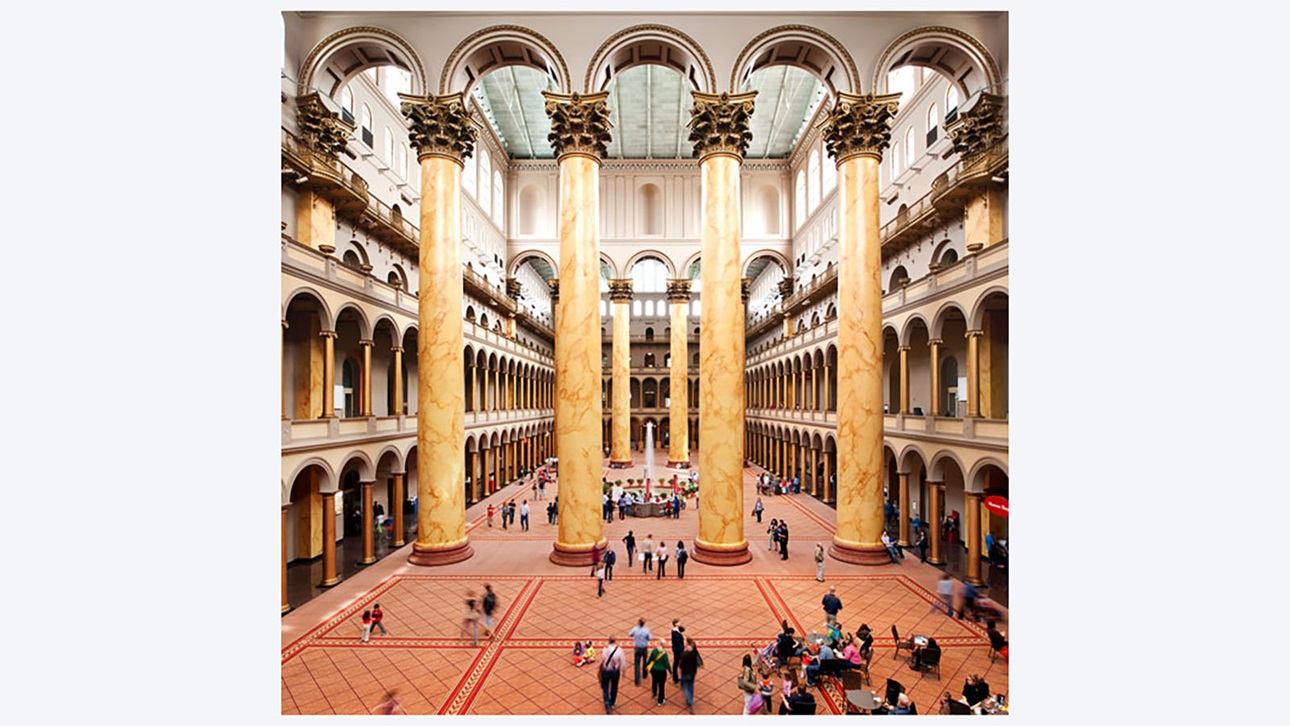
(803, 709)
(900, 644)
(930, 658)
(958, 708)
(894, 689)
(997, 642)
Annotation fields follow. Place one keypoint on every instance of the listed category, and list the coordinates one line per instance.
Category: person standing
(989, 548)
(662, 561)
(747, 683)
(831, 605)
(611, 669)
(681, 556)
(489, 606)
(377, 615)
(678, 645)
(689, 663)
(524, 515)
(783, 540)
(541, 487)
(367, 625)
(658, 667)
(506, 513)
(819, 562)
(609, 559)
(771, 533)
(491, 510)
(640, 639)
(470, 619)
(647, 550)
(595, 559)
(758, 508)
(630, 541)
(600, 580)
(922, 546)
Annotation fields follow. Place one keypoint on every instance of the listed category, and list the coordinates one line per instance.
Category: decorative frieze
(440, 126)
(579, 123)
(859, 125)
(719, 123)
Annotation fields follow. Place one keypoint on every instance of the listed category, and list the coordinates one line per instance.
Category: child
(589, 653)
(766, 689)
(491, 510)
(579, 653)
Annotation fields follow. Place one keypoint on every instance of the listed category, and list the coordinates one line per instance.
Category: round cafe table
(863, 700)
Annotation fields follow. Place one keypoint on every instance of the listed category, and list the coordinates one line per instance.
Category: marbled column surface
(721, 368)
(679, 424)
(859, 380)
(441, 411)
(620, 439)
(577, 364)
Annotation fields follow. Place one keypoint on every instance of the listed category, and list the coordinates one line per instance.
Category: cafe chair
(894, 689)
(852, 680)
(958, 708)
(997, 644)
(802, 709)
(900, 644)
(930, 660)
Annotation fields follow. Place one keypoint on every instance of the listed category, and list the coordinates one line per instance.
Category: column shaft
(935, 345)
(396, 507)
(904, 379)
(972, 503)
(936, 490)
(620, 451)
(329, 374)
(973, 391)
(329, 540)
(904, 508)
(398, 382)
(679, 430)
(369, 550)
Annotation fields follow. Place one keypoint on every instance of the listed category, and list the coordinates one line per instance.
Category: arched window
(649, 335)
(389, 146)
(485, 197)
(830, 171)
(895, 160)
(468, 174)
(498, 198)
(649, 308)
(909, 147)
(933, 121)
(366, 128)
(604, 309)
(813, 181)
(347, 105)
(694, 308)
(401, 167)
(350, 259)
(951, 103)
(637, 308)
(649, 275)
(799, 199)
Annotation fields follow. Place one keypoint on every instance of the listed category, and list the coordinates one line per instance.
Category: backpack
(490, 602)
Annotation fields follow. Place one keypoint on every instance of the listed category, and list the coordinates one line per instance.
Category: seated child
(579, 653)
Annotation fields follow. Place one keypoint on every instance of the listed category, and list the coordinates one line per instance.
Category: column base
(330, 583)
(859, 555)
(286, 608)
(620, 464)
(567, 556)
(933, 561)
(433, 557)
(678, 464)
(721, 557)
(368, 561)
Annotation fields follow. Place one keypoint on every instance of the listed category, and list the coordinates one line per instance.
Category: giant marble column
(579, 133)
(856, 132)
(719, 131)
(620, 444)
(442, 132)
(678, 294)
(396, 508)
(936, 492)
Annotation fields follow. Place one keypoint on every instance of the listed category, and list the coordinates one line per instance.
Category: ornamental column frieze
(856, 131)
(620, 443)
(719, 130)
(580, 136)
(678, 295)
(442, 131)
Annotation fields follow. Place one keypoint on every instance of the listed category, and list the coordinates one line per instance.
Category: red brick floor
(527, 668)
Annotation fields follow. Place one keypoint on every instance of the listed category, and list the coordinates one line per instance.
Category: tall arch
(801, 46)
(960, 57)
(661, 257)
(777, 256)
(500, 46)
(650, 44)
(346, 53)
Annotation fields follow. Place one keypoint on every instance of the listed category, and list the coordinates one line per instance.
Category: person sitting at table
(823, 661)
(801, 701)
(904, 706)
(851, 657)
(975, 690)
(998, 642)
(916, 659)
(865, 636)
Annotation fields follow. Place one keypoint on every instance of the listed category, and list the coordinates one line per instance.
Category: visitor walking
(658, 667)
(681, 556)
(611, 669)
(758, 508)
(747, 683)
(524, 515)
(488, 605)
(470, 618)
(662, 561)
(678, 645)
(819, 562)
(689, 663)
(831, 605)
(491, 510)
(945, 589)
(367, 625)
(630, 541)
(609, 559)
(647, 551)
(377, 614)
(600, 580)
(390, 705)
(506, 513)
(640, 640)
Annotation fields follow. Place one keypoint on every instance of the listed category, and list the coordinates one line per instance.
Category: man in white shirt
(892, 549)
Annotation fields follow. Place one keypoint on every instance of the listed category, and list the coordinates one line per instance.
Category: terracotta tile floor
(527, 667)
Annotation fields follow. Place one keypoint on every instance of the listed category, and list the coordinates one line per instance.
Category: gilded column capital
(902, 349)
(514, 288)
(935, 342)
(678, 290)
(365, 343)
(745, 288)
(975, 495)
(439, 126)
(938, 484)
(973, 333)
(396, 349)
(978, 128)
(328, 334)
(620, 289)
(323, 131)
(786, 288)
(579, 124)
(859, 125)
(554, 284)
(719, 123)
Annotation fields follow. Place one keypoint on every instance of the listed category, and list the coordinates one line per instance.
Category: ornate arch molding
(499, 46)
(977, 318)
(523, 255)
(766, 252)
(801, 46)
(650, 44)
(953, 52)
(972, 479)
(366, 46)
(661, 257)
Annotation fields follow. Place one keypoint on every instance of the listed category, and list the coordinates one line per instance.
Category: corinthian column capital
(859, 125)
(320, 129)
(678, 290)
(440, 126)
(579, 123)
(978, 128)
(620, 289)
(719, 123)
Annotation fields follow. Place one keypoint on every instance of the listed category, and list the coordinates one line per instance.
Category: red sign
(997, 505)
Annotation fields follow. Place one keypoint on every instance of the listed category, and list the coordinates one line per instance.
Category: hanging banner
(997, 505)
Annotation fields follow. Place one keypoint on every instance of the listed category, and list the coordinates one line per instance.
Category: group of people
(777, 537)
(651, 658)
(372, 619)
(625, 503)
(477, 609)
(766, 484)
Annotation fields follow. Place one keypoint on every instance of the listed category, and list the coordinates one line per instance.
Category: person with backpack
(609, 559)
(681, 556)
(658, 667)
(489, 605)
(689, 663)
(611, 669)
